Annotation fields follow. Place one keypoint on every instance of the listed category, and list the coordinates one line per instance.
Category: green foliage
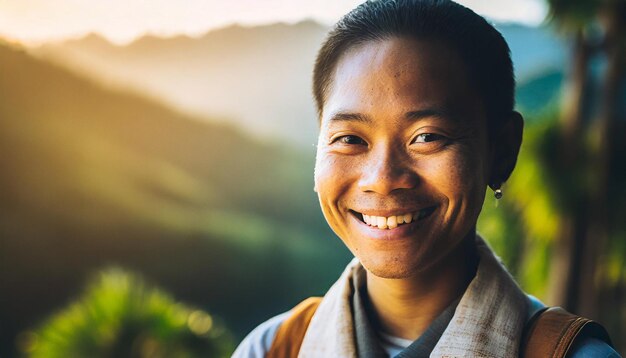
(119, 315)
(522, 229)
(541, 191)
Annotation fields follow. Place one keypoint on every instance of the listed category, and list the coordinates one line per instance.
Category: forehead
(400, 75)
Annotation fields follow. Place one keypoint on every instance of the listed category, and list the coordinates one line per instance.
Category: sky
(121, 21)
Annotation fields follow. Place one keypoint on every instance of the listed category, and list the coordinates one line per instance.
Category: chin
(391, 268)
(390, 274)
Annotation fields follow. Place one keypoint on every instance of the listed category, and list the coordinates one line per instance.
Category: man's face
(402, 158)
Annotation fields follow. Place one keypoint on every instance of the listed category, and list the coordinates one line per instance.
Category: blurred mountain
(258, 78)
(93, 177)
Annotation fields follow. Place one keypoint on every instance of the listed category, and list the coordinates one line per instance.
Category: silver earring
(497, 193)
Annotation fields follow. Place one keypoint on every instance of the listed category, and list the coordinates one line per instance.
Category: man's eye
(350, 140)
(428, 137)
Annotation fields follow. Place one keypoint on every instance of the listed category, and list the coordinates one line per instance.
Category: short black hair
(480, 46)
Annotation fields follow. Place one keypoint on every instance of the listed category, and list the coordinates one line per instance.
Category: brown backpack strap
(290, 334)
(551, 332)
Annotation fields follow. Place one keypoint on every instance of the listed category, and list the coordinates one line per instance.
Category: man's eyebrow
(349, 116)
(411, 115)
(429, 112)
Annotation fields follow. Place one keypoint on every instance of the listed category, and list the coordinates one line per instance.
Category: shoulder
(259, 341)
(582, 347)
(591, 347)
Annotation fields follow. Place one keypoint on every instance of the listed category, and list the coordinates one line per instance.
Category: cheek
(323, 173)
(328, 180)
(457, 175)
(333, 173)
(330, 185)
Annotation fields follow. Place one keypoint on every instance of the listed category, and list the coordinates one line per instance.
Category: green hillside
(93, 177)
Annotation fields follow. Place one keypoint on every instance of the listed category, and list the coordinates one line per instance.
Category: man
(415, 100)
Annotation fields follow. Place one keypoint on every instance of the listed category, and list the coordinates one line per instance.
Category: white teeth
(392, 222)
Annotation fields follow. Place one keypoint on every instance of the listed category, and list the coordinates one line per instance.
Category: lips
(393, 221)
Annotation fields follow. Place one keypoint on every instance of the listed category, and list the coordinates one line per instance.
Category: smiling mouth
(392, 222)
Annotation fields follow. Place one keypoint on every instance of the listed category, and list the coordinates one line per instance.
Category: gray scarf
(487, 322)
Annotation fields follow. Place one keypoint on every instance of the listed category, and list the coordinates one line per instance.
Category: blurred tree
(121, 316)
(590, 243)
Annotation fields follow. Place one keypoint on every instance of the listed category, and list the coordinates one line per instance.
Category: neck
(406, 307)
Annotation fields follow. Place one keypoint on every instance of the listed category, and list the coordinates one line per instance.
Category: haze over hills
(256, 77)
(259, 78)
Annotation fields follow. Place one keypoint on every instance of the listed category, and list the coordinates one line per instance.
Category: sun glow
(121, 21)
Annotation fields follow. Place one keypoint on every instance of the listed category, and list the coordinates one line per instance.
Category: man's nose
(388, 170)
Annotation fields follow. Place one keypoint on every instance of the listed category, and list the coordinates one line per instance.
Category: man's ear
(506, 142)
